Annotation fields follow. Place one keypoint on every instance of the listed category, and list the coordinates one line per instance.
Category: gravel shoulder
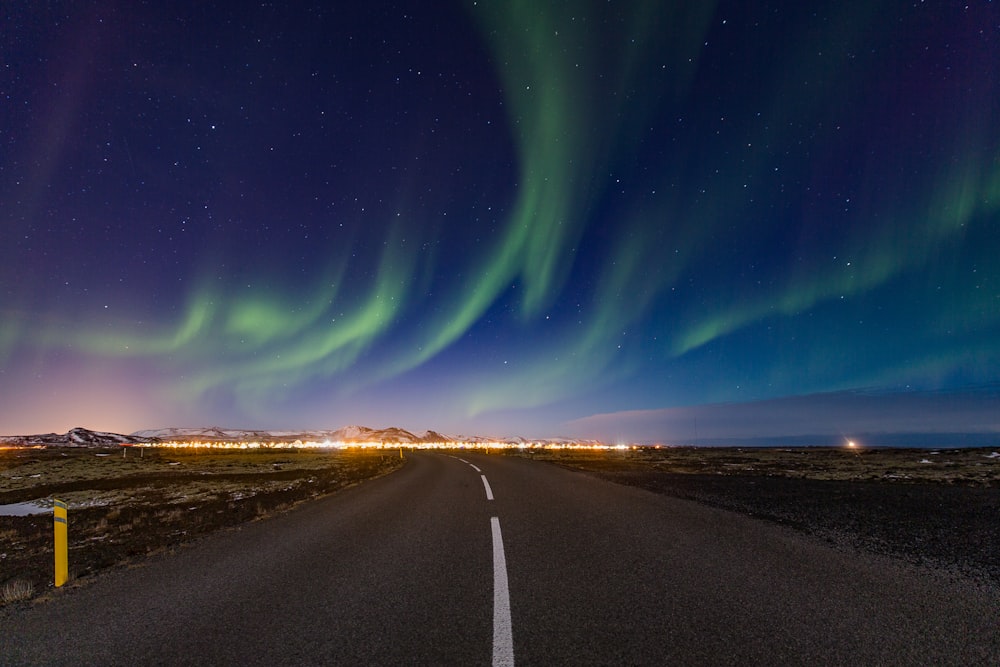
(937, 509)
(947, 527)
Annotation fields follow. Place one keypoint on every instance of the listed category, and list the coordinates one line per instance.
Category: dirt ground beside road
(129, 503)
(933, 507)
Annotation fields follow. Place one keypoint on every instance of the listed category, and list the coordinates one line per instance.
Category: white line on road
(474, 467)
(489, 491)
(503, 638)
(462, 460)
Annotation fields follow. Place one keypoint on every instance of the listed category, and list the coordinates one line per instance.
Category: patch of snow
(353, 432)
(26, 509)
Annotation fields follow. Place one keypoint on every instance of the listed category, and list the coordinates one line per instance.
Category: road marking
(489, 491)
(462, 460)
(474, 467)
(503, 638)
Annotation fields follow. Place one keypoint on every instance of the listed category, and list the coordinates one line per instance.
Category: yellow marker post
(62, 542)
(400, 452)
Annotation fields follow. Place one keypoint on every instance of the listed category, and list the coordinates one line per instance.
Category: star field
(541, 218)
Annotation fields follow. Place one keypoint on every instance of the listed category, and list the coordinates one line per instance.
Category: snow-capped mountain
(77, 437)
(345, 434)
(81, 437)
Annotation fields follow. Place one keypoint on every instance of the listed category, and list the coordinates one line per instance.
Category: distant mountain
(353, 433)
(77, 437)
(214, 434)
(345, 434)
(81, 437)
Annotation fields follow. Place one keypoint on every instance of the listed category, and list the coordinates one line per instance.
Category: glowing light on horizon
(327, 444)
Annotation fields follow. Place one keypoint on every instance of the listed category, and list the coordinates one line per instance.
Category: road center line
(486, 485)
(474, 467)
(503, 638)
(462, 460)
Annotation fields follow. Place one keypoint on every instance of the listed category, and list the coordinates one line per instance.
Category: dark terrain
(934, 507)
(125, 508)
(937, 508)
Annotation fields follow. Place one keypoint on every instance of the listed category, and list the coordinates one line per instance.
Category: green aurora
(676, 204)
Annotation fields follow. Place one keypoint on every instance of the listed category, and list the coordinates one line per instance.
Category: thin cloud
(828, 414)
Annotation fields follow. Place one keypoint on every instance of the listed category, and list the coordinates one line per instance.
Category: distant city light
(327, 444)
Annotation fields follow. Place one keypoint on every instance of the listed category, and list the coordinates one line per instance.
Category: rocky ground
(149, 500)
(938, 508)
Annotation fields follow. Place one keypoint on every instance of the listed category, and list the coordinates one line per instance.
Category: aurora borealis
(541, 218)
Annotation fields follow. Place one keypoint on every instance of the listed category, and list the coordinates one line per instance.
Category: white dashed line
(503, 638)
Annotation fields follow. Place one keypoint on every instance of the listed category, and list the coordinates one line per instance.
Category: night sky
(625, 220)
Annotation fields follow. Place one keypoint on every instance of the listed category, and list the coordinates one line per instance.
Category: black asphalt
(399, 570)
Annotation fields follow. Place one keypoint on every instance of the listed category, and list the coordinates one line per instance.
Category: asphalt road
(422, 567)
